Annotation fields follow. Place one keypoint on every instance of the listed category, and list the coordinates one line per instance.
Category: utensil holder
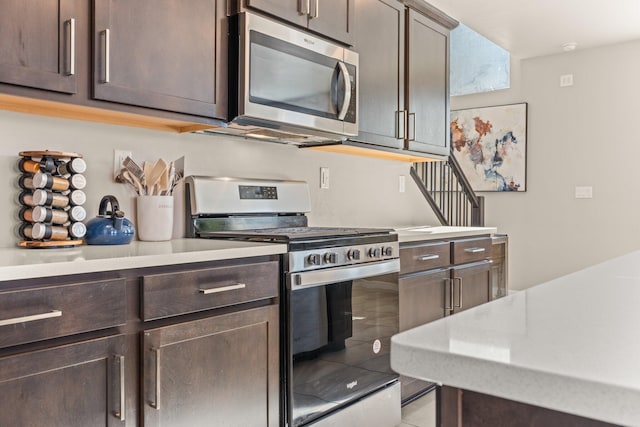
(155, 218)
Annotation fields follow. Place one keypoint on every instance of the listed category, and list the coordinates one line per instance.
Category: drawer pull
(475, 250)
(156, 402)
(428, 257)
(71, 49)
(223, 289)
(121, 411)
(31, 318)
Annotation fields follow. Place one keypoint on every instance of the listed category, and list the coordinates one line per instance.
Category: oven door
(291, 78)
(340, 325)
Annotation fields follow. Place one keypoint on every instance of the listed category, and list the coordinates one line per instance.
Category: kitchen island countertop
(19, 263)
(571, 345)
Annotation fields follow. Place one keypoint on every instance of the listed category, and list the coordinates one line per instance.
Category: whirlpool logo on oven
(352, 384)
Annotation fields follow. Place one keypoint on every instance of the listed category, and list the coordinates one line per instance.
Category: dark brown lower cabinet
(80, 384)
(463, 408)
(471, 285)
(217, 371)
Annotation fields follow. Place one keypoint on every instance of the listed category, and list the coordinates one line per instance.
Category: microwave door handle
(342, 112)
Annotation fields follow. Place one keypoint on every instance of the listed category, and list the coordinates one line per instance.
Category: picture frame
(490, 144)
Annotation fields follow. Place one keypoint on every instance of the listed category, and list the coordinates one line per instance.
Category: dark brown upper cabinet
(331, 18)
(38, 44)
(161, 54)
(427, 91)
(404, 75)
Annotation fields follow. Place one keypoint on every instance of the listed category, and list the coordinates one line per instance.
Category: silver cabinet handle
(427, 257)
(344, 72)
(106, 34)
(316, 9)
(459, 280)
(449, 300)
(31, 318)
(156, 403)
(121, 411)
(223, 289)
(413, 138)
(475, 250)
(303, 7)
(400, 124)
(70, 26)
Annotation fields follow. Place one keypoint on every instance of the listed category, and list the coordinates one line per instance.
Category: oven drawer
(469, 250)
(171, 294)
(424, 257)
(31, 315)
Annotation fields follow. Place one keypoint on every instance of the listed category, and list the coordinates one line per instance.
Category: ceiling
(528, 28)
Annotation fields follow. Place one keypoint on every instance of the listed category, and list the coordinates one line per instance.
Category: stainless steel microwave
(289, 85)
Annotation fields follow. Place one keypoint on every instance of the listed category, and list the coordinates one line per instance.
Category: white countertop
(571, 344)
(416, 234)
(21, 263)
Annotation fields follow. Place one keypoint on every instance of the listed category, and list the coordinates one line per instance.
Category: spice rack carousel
(52, 184)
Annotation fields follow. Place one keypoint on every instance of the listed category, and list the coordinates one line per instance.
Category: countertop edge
(126, 261)
(610, 403)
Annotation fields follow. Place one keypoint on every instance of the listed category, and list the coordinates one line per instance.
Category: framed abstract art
(490, 144)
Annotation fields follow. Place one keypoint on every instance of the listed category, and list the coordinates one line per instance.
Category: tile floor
(421, 412)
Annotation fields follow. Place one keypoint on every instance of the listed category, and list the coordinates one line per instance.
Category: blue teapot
(109, 227)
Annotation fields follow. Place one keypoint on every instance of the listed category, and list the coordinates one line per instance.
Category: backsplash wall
(363, 191)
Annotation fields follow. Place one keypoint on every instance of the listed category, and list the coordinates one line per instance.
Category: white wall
(364, 191)
(583, 135)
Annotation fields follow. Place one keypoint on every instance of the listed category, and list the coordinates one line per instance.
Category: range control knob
(353, 254)
(374, 252)
(330, 257)
(388, 251)
(313, 259)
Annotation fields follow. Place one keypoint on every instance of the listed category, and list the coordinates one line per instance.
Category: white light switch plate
(402, 183)
(324, 177)
(566, 80)
(584, 192)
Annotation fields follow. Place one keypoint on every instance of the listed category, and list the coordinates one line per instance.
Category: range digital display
(258, 192)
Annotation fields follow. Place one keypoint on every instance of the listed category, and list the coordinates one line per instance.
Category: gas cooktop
(287, 234)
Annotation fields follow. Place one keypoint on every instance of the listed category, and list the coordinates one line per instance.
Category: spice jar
(41, 231)
(77, 230)
(46, 164)
(76, 165)
(50, 182)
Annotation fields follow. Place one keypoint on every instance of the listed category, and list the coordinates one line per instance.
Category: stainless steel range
(339, 298)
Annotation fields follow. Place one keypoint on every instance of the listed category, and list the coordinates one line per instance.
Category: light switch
(324, 177)
(584, 192)
(402, 183)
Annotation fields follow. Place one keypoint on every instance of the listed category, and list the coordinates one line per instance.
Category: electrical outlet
(584, 192)
(402, 183)
(566, 80)
(324, 178)
(118, 160)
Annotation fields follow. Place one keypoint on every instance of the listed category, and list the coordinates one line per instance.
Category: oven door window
(288, 77)
(340, 343)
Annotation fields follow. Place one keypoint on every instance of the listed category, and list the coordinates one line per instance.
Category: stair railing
(448, 192)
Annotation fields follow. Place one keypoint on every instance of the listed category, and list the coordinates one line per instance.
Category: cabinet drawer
(171, 294)
(424, 257)
(469, 250)
(42, 313)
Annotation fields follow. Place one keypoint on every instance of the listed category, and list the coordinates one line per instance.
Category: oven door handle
(309, 279)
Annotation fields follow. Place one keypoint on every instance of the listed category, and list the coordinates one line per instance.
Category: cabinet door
(222, 370)
(428, 82)
(333, 18)
(75, 385)
(162, 54)
(295, 11)
(471, 285)
(423, 298)
(379, 40)
(37, 44)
